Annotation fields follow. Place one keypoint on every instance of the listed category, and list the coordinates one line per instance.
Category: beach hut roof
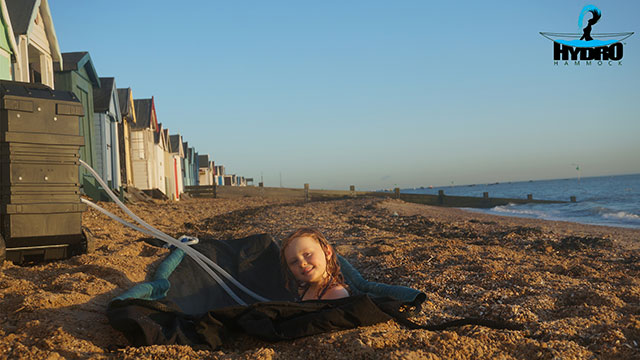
(145, 108)
(165, 136)
(175, 142)
(73, 61)
(23, 13)
(126, 105)
(123, 99)
(160, 137)
(102, 96)
(165, 139)
(157, 136)
(203, 161)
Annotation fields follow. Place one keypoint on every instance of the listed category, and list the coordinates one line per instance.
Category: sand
(575, 288)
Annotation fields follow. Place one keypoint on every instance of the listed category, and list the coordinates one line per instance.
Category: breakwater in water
(309, 194)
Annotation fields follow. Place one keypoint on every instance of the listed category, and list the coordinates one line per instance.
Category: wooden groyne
(462, 201)
(201, 190)
(307, 194)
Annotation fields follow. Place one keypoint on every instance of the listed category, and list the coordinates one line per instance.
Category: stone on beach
(574, 287)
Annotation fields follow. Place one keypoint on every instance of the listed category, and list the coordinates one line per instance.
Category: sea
(602, 200)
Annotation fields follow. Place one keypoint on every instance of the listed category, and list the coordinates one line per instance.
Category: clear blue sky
(372, 93)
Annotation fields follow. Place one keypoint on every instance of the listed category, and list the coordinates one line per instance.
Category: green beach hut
(8, 44)
(78, 75)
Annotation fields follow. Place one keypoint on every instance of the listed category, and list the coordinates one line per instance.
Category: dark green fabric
(148, 322)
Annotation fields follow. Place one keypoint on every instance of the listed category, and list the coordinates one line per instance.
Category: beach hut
(8, 46)
(196, 167)
(187, 162)
(177, 156)
(216, 177)
(36, 43)
(106, 107)
(205, 173)
(169, 180)
(160, 146)
(220, 172)
(128, 115)
(144, 158)
(77, 74)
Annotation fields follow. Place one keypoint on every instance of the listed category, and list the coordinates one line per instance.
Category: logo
(585, 47)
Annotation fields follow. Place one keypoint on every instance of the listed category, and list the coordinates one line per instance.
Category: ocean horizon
(611, 200)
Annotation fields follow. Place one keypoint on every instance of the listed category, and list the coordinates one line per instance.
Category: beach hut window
(34, 74)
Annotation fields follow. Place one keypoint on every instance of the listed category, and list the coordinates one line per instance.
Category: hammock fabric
(182, 305)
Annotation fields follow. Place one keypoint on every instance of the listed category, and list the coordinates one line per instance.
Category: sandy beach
(574, 288)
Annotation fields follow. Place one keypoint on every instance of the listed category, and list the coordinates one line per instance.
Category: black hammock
(183, 305)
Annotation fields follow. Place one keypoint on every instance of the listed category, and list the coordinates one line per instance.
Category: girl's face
(306, 259)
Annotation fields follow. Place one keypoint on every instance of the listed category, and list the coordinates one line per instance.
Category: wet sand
(575, 288)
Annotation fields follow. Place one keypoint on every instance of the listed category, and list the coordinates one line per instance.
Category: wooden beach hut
(144, 158)
(168, 168)
(187, 163)
(177, 156)
(228, 180)
(77, 74)
(220, 172)
(196, 167)
(205, 173)
(37, 46)
(160, 146)
(8, 46)
(193, 166)
(128, 115)
(106, 107)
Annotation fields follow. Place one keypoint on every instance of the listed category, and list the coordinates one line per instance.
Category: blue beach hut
(106, 119)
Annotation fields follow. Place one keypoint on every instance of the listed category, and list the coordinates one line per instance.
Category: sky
(376, 94)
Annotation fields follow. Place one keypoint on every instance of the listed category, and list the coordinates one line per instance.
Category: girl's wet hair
(333, 268)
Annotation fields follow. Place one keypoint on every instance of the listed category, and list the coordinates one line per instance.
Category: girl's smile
(307, 257)
(306, 260)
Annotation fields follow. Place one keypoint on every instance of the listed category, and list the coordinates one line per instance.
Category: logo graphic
(587, 46)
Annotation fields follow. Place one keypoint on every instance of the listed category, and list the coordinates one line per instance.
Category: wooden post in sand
(306, 192)
(441, 197)
(396, 191)
(529, 196)
(352, 190)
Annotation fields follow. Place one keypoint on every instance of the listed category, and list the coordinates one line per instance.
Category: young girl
(307, 257)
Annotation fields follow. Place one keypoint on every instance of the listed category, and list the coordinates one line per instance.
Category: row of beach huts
(124, 142)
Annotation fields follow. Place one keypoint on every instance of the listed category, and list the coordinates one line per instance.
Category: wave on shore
(579, 213)
(604, 200)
